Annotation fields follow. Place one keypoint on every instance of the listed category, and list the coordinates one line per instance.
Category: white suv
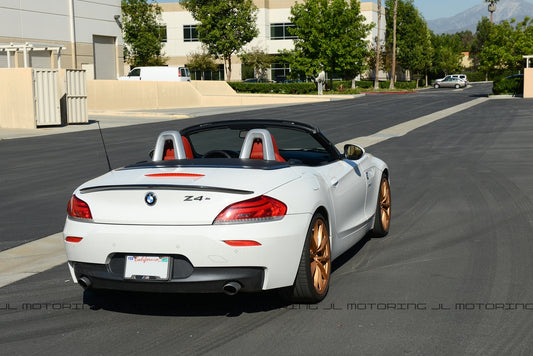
(458, 76)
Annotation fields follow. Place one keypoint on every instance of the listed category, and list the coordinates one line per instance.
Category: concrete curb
(137, 114)
(31, 258)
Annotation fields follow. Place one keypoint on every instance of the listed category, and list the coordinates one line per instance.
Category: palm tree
(492, 8)
(378, 48)
(393, 74)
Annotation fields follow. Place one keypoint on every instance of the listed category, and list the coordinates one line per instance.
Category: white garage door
(104, 57)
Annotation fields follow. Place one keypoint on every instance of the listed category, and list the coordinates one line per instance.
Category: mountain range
(468, 19)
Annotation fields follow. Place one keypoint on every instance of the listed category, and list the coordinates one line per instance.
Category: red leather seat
(169, 149)
(257, 150)
(187, 146)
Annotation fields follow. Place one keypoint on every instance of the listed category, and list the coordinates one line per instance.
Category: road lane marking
(48, 252)
(408, 126)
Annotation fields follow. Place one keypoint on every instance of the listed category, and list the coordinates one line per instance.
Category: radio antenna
(103, 143)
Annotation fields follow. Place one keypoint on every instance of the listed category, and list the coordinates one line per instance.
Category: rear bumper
(198, 280)
(210, 261)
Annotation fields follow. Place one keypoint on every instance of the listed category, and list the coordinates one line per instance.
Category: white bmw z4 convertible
(245, 205)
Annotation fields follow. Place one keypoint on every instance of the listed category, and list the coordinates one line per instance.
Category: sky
(434, 9)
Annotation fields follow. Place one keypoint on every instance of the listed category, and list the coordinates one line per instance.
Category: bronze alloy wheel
(384, 204)
(320, 256)
(314, 270)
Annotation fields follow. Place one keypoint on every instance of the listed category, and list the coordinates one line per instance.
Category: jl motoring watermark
(416, 306)
(41, 306)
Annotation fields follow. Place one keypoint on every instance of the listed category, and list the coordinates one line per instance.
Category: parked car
(460, 76)
(159, 73)
(450, 82)
(518, 76)
(256, 80)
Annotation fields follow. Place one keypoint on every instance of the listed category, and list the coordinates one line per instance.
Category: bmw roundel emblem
(150, 198)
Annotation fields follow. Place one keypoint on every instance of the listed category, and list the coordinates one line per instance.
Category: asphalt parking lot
(452, 277)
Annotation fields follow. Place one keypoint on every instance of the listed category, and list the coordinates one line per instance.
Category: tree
(413, 40)
(394, 37)
(201, 61)
(141, 32)
(467, 39)
(330, 36)
(481, 37)
(225, 26)
(447, 55)
(259, 60)
(422, 54)
(378, 49)
(506, 44)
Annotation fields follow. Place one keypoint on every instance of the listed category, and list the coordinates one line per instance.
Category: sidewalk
(110, 119)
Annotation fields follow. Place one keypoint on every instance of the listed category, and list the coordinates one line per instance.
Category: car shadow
(177, 304)
(350, 253)
(482, 95)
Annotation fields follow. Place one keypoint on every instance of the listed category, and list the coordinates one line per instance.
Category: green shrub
(369, 84)
(310, 88)
(511, 86)
(275, 88)
(475, 76)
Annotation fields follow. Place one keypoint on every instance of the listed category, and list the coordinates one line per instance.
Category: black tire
(436, 86)
(383, 209)
(312, 279)
(457, 86)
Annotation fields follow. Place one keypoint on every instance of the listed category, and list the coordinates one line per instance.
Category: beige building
(79, 34)
(272, 23)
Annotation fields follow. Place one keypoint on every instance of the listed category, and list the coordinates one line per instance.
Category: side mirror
(353, 152)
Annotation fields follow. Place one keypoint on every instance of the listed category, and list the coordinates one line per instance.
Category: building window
(279, 72)
(162, 33)
(208, 75)
(190, 34)
(280, 31)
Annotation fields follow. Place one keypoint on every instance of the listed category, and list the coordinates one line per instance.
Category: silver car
(450, 82)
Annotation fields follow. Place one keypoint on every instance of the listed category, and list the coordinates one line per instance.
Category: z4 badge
(193, 198)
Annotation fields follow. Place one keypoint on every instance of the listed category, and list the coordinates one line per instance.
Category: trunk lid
(175, 195)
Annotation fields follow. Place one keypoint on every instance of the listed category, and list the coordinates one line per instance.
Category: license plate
(147, 267)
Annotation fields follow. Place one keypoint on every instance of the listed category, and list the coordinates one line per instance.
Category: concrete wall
(135, 95)
(17, 109)
(528, 82)
(147, 95)
(16, 98)
(208, 87)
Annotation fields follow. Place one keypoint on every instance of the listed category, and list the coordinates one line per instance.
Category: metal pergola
(27, 47)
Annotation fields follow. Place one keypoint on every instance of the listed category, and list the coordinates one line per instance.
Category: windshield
(292, 144)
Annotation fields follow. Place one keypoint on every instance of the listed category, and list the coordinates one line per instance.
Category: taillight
(242, 243)
(73, 239)
(78, 209)
(258, 209)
